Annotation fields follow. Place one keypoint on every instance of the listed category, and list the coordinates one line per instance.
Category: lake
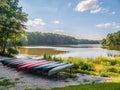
(65, 51)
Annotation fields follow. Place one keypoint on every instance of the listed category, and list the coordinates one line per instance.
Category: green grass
(103, 86)
(101, 66)
(6, 82)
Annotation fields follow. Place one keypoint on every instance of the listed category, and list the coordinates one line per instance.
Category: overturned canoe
(23, 67)
(16, 64)
(43, 66)
(46, 69)
(59, 68)
(6, 62)
(35, 65)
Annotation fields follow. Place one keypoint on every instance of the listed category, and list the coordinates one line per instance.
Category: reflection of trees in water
(40, 51)
(113, 48)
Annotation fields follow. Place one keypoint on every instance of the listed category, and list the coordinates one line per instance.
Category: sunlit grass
(102, 66)
(103, 86)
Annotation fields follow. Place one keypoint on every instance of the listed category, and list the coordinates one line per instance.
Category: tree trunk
(4, 47)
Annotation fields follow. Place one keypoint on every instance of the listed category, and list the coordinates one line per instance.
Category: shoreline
(27, 80)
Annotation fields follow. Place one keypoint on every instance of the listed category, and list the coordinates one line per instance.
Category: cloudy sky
(87, 19)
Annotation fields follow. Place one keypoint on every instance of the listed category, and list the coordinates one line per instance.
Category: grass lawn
(103, 86)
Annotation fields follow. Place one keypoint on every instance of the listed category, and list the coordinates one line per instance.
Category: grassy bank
(102, 66)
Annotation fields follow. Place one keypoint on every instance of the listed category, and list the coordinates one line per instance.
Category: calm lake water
(81, 50)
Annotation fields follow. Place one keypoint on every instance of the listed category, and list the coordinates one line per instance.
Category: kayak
(59, 68)
(35, 65)
(23, 67)
(43, 66)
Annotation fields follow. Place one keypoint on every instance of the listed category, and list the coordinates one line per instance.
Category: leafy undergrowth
(102, 66)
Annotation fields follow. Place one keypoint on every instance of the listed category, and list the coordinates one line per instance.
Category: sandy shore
(33, 81)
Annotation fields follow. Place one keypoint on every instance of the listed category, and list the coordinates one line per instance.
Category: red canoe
(22, 67)
(35, 65)
(11, 63)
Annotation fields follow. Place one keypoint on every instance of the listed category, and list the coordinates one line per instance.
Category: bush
(104, 74)
(12, 51)
(112, 69)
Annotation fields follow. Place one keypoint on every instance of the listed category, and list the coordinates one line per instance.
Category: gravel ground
(33, 81)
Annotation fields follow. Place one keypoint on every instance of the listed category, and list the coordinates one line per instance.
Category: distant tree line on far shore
(39, 38)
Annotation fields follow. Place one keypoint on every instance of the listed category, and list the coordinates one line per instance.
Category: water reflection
(39, 51)
(82, 50)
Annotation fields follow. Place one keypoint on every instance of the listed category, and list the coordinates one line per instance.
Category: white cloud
(92, 5)
(117, 27)
(35, 22)
(104, 25)
(96, 10)
(56, 22)
(69, 4)
(86, 5)
(113, 13)
(59, 31)
(109, 25)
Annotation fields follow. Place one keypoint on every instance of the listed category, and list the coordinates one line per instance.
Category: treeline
(86, 41)
(112, 39)
(39, 38)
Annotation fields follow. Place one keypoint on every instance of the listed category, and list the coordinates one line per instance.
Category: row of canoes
(41, 66)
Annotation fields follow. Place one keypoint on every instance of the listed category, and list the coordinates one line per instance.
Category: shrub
(112, 69)
(86, 66)
(104, 74)
(12, 51)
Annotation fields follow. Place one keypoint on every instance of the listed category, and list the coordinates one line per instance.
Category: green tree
(103, 42)
(12, 20)
(112, 39)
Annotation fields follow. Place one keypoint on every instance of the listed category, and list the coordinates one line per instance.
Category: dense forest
(111, 39)
(39, 38)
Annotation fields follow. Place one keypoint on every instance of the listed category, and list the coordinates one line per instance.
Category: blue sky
(86, 19)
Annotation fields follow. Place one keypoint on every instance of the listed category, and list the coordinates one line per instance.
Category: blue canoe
(38, 68)
(59, 68)
(46, 69)
(5, 62)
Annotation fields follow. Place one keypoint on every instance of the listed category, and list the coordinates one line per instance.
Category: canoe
(59, 68)
(30, 62)
(12, 63)
(16, 64)
(23, 67)
(46, 69)
(43, 66)
(35, 65)
(6, 62)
